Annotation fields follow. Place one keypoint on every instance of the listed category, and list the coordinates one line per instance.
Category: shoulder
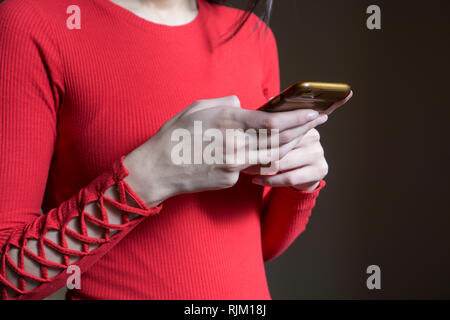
(20, 17)
(35, 14)
(16, 15)
(27, 30)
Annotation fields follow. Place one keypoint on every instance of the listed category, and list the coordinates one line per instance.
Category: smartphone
(308, 95)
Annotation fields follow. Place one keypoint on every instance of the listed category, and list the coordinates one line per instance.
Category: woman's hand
(155, 176)
(304, 166)
(301, 168)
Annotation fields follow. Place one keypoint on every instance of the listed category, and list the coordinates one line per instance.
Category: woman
(90, 98)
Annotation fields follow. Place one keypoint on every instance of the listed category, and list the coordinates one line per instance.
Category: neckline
(133, 18)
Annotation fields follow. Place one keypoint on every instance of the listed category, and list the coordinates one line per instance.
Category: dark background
(387, 196)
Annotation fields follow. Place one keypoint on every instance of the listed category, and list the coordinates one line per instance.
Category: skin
(167, 12)
(304, 166)
(154, 177)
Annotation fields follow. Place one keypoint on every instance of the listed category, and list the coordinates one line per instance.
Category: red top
(74, 102)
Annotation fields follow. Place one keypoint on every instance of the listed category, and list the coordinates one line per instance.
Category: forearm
(285, 215)
(78, 232)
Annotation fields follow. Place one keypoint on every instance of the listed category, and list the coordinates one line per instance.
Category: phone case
(308, 95)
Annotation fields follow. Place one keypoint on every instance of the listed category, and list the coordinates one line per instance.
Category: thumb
(229, 101)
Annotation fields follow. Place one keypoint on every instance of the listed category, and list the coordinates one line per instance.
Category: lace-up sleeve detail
(36, 249)
(132, 210)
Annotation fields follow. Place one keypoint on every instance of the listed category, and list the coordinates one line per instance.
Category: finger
(229, 101)
(296, 158)
(263, 163)
(301, 132)
(250, 139)
(298, 176)
(299, 152)
(300, 157)
(237, 161)
(277, 120)
(309, 138)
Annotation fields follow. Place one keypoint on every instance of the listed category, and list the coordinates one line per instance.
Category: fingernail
(323, 118)
(312, 115)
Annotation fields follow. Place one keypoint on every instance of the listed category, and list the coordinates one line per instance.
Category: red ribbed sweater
(74, 102)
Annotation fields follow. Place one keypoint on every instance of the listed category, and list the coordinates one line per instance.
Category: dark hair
(251, 7)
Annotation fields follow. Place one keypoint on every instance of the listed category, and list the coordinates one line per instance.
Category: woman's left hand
(301, 168)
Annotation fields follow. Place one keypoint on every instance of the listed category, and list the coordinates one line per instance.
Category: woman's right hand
(155, 176)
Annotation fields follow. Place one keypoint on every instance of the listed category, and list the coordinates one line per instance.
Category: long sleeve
(285, 211)
(31, 91)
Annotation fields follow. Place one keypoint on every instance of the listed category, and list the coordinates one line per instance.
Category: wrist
(307, 187)
(145, 183)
